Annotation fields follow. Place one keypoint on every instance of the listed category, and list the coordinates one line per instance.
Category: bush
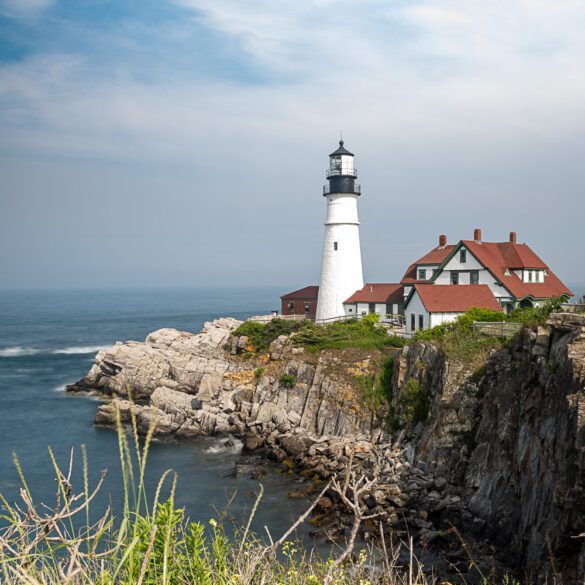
(261, 335)
(363, 334)
(458, 340)
(534, 316)
(288, 380)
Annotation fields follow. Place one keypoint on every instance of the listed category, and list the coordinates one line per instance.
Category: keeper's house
(474, 273)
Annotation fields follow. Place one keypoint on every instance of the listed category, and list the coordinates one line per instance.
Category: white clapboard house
(473, 273)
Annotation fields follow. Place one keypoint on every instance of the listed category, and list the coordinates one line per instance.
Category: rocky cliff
(494, 449)
(189, 384)
(511, 434)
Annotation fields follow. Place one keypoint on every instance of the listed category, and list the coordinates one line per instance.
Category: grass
(363, 334)
(359, 334)
(153, 542)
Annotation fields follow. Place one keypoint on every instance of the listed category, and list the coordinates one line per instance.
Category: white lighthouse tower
(341, 268)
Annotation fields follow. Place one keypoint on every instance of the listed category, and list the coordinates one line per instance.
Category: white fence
(388, 319)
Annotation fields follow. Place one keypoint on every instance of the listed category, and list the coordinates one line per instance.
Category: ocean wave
(80, 349)
(220, 446)
(11, 352)
(17, 351)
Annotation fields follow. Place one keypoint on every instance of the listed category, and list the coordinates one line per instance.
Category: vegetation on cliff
(365, 333)
(459, 341)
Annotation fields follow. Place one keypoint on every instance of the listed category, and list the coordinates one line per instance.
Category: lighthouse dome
(341, 150)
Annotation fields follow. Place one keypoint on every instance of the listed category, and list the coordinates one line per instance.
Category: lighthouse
(341, 266)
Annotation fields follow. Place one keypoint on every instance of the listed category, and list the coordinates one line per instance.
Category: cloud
(25, 9)
(473, 110)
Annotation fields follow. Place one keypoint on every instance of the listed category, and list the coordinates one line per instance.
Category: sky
(185, 142)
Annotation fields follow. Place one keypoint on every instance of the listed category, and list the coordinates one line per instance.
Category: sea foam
(80, 349)
(17, 351)
(219, 446)
(10, 352)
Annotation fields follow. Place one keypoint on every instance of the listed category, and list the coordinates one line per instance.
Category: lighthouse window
(335, 246)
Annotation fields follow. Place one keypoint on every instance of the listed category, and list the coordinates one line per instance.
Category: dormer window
(462, 256)
(422, 274)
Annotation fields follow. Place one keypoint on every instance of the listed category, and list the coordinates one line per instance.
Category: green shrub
(534, 316)
(363, 334)
(259, 372)
(288, 380)
(371, 319)
(261, 335)
(458, 340)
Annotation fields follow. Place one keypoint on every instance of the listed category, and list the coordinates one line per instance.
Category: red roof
(435, 257)
(378, 293)
(456, 298)
(308, 293)
(502, 256)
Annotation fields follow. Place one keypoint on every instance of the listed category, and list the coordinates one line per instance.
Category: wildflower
(213, 522)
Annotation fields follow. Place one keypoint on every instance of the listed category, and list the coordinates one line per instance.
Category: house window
(454, 277)
(474, 277)
(291, 306)
(530, 276)
(335, 246)
(371, 307)
(307, 307)
(351, 310)
(435, 272)
(388, 309)
(421, 321)
(422, 274)
(463, 256)
(413, 322)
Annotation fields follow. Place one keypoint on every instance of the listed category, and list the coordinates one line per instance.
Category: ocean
(49, 339)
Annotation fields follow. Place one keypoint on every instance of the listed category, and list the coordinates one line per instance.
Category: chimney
(513, 237)
(477, 235)
(442, 241)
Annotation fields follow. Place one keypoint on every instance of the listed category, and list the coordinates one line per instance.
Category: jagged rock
(293, 444)
(501, 454)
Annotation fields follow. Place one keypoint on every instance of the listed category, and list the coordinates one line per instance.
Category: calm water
(49, 339)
